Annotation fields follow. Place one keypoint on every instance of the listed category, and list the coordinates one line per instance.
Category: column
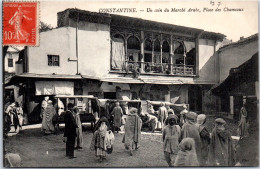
(197, 55)
(152, 49)
(231, 105)
(171, 54)
(184, 59)
(217, 73)
(161, 48)
(125, 47)
(142, 51)
(257, 96)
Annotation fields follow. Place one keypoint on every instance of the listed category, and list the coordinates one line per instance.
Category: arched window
(157, 46)
(133, 43)
(148, 45)
(191, 57)
(178, 53)
(119, 36)
(166, 52)
(166, 47)
(179, 48)
(133, 49)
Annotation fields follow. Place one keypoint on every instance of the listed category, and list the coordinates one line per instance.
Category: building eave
(240, 42)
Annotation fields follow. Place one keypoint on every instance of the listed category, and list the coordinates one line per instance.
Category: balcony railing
(159, 68)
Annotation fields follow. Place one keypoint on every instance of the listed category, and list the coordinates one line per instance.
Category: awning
(149, 80)
(122, 80)
(54, 76)
(75, 96)
(239, 79)
(162, 82)
(54, 88)
(21, 78)
(166, 80)
(90, 77)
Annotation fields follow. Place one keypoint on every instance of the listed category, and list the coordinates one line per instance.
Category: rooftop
(241, 42)
(133, 23)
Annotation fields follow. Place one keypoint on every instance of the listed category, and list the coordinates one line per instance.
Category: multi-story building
(110, 56)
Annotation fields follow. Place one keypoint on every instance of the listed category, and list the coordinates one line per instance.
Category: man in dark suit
(70, 131)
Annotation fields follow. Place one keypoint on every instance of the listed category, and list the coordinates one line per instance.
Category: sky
(233, 24)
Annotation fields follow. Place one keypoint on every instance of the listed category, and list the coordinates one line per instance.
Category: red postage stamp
(20, 23)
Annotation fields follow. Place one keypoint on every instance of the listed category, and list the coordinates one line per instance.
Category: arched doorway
(195, 98)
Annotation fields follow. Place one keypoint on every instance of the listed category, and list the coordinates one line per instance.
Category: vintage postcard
(130, 83)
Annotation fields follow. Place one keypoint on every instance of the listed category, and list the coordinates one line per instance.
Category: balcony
(151, 68)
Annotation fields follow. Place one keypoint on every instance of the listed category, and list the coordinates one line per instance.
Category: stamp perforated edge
(37, 23)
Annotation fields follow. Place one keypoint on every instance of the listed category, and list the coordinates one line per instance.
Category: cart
(87, 104)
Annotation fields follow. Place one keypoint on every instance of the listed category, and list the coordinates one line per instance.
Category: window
(78, 89)
(133, 43)
(53, 60)
(148, 45)
(10, 63)
(157, 46)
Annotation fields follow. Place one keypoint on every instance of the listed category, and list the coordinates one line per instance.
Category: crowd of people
(193, 145)
(186, 138)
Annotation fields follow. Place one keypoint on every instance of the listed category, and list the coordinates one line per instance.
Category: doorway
(195, 98)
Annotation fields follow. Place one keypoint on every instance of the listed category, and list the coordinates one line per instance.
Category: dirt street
(38, 150)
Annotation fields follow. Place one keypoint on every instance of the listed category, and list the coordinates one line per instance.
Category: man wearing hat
(182, 115)
(189, 129)
(70, 131)
(171, 136)
(221, 151)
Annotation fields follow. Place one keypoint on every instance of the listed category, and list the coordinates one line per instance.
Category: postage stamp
(20, 23)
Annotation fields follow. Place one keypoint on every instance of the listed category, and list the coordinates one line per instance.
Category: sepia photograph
(130, 84)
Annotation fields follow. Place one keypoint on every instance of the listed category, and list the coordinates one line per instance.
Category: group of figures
(156, 120)
(186, 139)
(13, 116)
(193, 145)
(103, 137)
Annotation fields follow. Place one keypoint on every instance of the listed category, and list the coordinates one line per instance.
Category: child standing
(109, 141)
(98, 142)
(171, 136)
(187, 154)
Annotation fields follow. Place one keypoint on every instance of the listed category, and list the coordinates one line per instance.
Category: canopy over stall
(176, 107)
